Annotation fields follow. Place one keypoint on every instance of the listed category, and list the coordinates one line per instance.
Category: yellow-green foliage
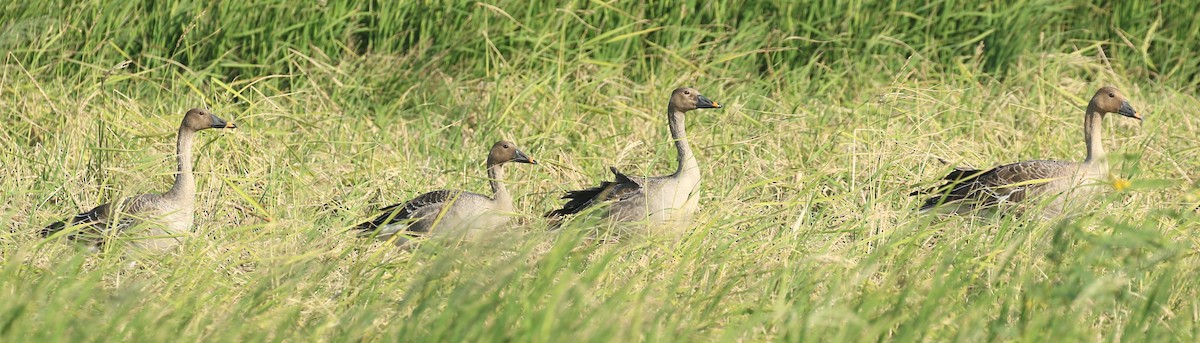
(835, 111)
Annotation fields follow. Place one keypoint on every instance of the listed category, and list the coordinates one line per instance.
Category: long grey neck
(686, 160)
(1091, 135)
(496, 178)
(185, 183)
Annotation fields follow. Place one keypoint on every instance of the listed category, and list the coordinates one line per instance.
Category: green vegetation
(835, 110)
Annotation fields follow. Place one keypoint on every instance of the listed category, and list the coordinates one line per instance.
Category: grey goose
(965, 189)
(451, 211)
(668, 199)
(166, 217)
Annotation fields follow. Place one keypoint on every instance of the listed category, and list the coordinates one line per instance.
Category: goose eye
(506, 146)
(1111, 95)
(687, 93)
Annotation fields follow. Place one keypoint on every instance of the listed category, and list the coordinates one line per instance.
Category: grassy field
(835, 111)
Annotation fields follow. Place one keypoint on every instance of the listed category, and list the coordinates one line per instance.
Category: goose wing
(407, 211)
(982, 188)
(101, 218)
(624, 187)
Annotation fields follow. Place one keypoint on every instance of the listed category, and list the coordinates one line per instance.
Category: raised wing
(623, 188)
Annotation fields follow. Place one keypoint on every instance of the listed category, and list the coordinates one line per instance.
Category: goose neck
(1092, 135)
(496, 179)
(185, 183)
(687, 165)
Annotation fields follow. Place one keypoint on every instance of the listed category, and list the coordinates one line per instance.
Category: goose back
(966, 189)
(448, 210)
(164, 220)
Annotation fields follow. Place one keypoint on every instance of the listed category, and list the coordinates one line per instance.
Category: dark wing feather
(622, 188)
(99, 219)
(96, 222)
(956, 184)
(404, 211)
(988, 187)
(96, 217)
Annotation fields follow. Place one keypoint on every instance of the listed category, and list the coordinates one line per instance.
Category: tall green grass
(793, 40)
(835, 111)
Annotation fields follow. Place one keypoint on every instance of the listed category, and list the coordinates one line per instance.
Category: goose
(661, 199)
(167, 216)
(451, 211)
(966, 189)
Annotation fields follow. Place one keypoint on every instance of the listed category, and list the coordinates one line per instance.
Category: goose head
(686, 99)
(1110, 100)
(198, 119)
(505, 151)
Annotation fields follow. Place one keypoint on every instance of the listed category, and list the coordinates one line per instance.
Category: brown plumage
(967, 189)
